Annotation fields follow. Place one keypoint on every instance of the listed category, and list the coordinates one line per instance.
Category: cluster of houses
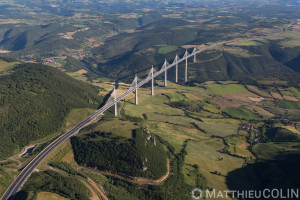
(250, 127)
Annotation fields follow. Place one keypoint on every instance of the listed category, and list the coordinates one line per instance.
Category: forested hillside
(143, 155)
(34, 100)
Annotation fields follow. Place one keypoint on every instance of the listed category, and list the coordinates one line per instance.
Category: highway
(26, 172)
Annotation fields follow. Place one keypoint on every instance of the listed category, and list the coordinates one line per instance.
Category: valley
(232, 125)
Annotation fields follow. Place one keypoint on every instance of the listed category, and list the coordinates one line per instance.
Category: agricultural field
(210, 160)
(222, 89)
(166, 49)
(238, 145)
(241, 113)
(250, 43)
(290, 105)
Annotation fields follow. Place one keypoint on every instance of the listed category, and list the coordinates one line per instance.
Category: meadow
(249, 43)
(212, 164)
(241, 113)
(222, 89)
(49, 196)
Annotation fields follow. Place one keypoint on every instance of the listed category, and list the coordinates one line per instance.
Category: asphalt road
(26, 172)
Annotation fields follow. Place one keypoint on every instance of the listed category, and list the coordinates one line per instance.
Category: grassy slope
(206, 157)
(49, 196)
(290, 105)
(220, 89)
(241, 113)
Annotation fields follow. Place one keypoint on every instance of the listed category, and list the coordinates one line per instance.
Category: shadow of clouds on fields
(280, 173)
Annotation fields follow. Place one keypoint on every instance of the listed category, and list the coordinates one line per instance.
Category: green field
(206, 156)
(241, 113)
(250, 43)
(102, 80)
(189, 175)
(295, 92)
(175, 96)
(49, 196)
(153, 106)
(76, 115)
(167, 49)
(115, 126)
(290, 104)
(220, 89)
(61, 61)
(6, 177)
(292, 40)
(215, 143)
(238, 145)
(5, 67)
(286, 92)
(218, 129)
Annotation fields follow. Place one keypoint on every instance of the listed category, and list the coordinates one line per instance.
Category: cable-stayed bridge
(112, 101)
(137, 83)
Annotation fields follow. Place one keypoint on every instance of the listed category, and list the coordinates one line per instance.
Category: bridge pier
(136, 91)
(194, 50)
(165, 66)
(115, 101)
(185, 74)
(152, 82)
(176, 69)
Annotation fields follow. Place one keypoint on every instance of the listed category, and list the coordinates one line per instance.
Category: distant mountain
(34, 100)
(127, 54)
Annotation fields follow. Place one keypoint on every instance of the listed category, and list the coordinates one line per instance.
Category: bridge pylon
(176, 68)
(136, 90)
(185, 74)
(115, 101)
(194, 50)
(165, 68)
(152, 82)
